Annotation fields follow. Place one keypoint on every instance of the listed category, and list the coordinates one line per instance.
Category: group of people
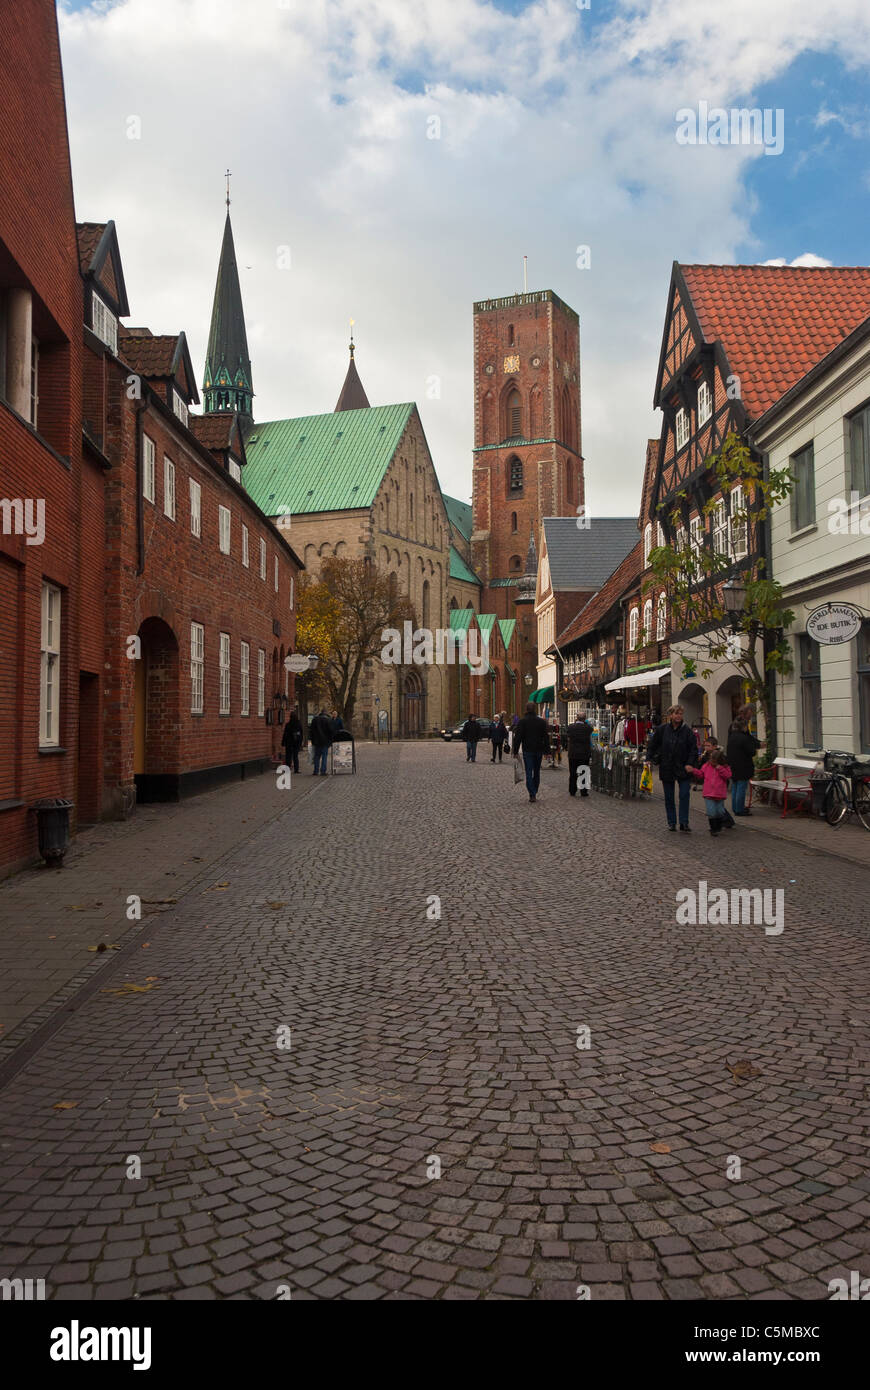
(498, 734)
(673, 747)
(323, 731)
(532, 737)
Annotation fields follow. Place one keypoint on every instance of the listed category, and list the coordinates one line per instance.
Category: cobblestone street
(421, 1043)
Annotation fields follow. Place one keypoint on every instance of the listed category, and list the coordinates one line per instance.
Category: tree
(341, 617)
(692, 575)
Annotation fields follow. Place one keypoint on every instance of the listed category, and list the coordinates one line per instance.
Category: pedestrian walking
(471, 733)
(532, 737)
(336, 724)
(555, 742)
(291, 740)
(740, 755)
(579, 739)
(672, 745)
(320, 733)
(711, 744)
(499, 737)
(714, 773)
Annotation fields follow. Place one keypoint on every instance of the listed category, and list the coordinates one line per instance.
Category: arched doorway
(729, 698)
(413, 705)
(691, 697)
(156, 717)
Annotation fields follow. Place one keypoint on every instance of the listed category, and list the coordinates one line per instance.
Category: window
(49, 672)
(224, 707)
(246, 559)
(513, 523)
(103, 321)
(235, 471)
(602, 647)
(34, 381)
(195, 508)
(662, 619)
(261, 683)
(245, 678)
(696, 540)
(647, 622)
(647, 542)
(514, 416)
(811, 691)
(720, 528)
(149, 486)
(633, 619)
(168, 488)
(276, 574)
(739, 528)
(864, 685)
(859, 451)
(224, 519)
(515, 475)
(197, 665)
(660, 534)
(803, 496)
(179, 406)
(705, 403)
(262, 558)
(510, 335)
(293, 588)
(682, 428)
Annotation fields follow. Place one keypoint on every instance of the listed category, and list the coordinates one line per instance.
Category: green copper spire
(228, 384)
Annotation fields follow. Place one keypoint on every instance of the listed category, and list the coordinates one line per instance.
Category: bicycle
(848, 789)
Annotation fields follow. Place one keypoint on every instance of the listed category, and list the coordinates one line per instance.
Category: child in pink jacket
(715, 773)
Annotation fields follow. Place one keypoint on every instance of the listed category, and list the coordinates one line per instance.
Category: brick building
(51, 537)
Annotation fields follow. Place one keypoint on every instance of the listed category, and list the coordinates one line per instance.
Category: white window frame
(179, 407)
(738, 531)
(660, 533)
(224, 666)
(103, 322)
(262, 558)
(245, 678)
(224, 529)
(683, 429)
(261, 683)
(197, 668)
(705, 403)
(49, 666)
(647, 542)
(696, 536)
(662, 618)
(149, 469)
(602, 647)
(195, 508)
(246, 558)
(647, 622)
(720, 527)
(633, 624)
(235, 471)
(168, 487)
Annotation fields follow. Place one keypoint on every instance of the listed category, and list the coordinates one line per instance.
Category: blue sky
(556, 128)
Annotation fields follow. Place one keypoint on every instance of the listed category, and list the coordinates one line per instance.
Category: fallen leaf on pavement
(65, 1105)
(660, 1148)
(128, 988)
(742, 1070)
(222, 885)
(276, 904)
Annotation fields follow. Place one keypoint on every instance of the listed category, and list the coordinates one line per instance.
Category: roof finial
(228, 177)
(351, 336)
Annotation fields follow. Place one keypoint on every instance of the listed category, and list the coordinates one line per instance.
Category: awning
(541, 696)
(639, 678)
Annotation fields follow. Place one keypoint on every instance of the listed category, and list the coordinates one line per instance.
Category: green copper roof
(506, 626)
(323, 463)
(486, 622)
(459, 569)
(460, 619)
(459, 515)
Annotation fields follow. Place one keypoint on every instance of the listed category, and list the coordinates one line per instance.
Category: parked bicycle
(848, 788)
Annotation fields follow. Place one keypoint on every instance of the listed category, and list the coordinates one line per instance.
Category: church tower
(528, 462)
(227, 381)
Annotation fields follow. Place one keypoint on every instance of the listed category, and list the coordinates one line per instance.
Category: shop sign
(834, 623)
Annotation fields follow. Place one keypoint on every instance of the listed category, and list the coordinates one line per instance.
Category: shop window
(811, 691)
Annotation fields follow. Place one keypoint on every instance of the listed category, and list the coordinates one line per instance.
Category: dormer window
(682, 428)
(103, 322)
(179, 406)
(705, 403)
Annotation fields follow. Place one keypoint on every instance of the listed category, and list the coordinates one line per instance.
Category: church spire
(227, 383)
(353, 396)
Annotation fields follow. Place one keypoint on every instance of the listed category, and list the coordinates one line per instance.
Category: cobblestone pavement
(419, 1042)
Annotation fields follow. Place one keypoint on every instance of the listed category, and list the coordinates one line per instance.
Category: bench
(791, 776)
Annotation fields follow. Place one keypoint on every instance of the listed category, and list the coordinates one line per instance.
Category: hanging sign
(834, 623)
(296, 663)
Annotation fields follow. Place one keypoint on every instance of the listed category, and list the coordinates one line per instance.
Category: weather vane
(228, 177)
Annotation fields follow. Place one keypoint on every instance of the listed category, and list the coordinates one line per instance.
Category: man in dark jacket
(672, 745)
(533, 737)
(291, 740)
(579, 739)
(740, 757)
(320, 734)
(498, 733)
(471, 733)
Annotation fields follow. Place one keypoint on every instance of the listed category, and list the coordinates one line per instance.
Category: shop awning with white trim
(639, 678)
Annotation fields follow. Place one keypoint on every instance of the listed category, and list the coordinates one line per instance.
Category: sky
(393, 163)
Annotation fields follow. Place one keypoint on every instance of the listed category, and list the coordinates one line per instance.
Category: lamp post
(734, 599)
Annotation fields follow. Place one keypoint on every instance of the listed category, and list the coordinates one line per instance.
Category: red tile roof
(215, 430)
(151, 355)
(89, 234)
(776, 322)
(622, 580)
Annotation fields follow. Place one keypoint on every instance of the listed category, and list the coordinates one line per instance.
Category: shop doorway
(156, 717)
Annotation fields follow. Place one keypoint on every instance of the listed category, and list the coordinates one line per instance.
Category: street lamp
(734, 599)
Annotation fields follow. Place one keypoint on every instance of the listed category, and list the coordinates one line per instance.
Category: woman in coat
(740, 754)
(291, 740)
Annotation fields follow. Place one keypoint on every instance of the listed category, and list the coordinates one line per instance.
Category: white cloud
(553, 134)
(807, 259)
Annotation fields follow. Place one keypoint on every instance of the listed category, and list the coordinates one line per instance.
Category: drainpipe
(140, 500)
(771, 734)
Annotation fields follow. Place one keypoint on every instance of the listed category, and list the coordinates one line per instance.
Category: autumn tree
(340, 617)
(693, 573)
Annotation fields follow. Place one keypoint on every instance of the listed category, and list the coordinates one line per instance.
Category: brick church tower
(527, 452)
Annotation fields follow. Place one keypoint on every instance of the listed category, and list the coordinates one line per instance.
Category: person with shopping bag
(579, 739)
(532, 738)
(672, 745)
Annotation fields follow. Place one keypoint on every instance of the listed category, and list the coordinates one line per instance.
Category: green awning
(543, 695)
